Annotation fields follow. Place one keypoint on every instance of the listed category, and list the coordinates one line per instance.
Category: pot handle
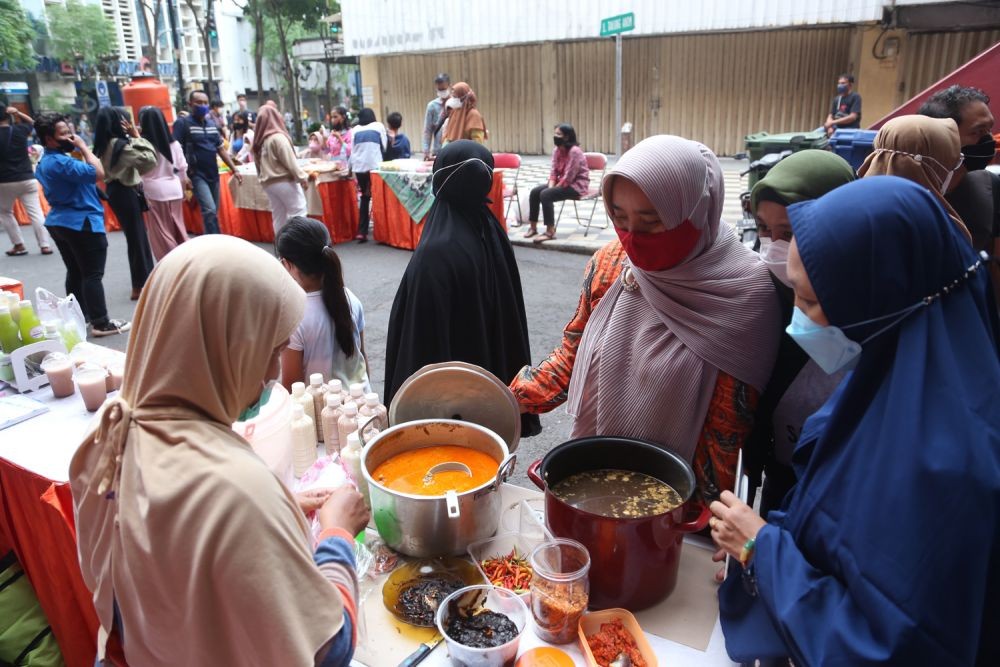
(451, 500)
(697, 524)
(505, 470)
(362, 429)
(536, 478)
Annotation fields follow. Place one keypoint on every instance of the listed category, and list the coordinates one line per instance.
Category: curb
(559, 246)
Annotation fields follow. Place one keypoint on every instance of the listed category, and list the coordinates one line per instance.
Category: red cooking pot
(634, 562)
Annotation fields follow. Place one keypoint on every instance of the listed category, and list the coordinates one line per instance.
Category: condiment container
(303, 440)
(590, 624)
(58, 369)
(317, 390)
(560, 589)
(526, 535)
(498, 600)
(329, 420)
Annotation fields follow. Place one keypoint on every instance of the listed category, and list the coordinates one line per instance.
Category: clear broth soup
(617, 494)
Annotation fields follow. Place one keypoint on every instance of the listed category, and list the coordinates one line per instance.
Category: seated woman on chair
(569, 179)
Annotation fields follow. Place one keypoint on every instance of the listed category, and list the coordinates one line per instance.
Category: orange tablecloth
(36, 521)
(340, 213)
(393, 224)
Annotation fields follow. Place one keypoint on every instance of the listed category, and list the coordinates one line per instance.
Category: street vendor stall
(401, 198)
(244, 210)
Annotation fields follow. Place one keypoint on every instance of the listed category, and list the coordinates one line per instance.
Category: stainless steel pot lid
(457, 390)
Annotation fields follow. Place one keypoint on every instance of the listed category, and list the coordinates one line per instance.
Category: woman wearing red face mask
(680, 347)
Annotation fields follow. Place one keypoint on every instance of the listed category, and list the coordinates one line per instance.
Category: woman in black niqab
(460, 298)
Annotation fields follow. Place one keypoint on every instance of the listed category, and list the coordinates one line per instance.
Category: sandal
(545, 236)
(46, 250)
(531, 232)
(17, 253)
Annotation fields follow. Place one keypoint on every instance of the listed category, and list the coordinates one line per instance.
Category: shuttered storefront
(930, 56)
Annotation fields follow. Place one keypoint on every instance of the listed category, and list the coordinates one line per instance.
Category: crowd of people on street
(853, 357)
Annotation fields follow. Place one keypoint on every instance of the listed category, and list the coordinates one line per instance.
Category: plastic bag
(66, 309)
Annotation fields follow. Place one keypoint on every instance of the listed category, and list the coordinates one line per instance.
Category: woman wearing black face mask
(569, 179)
(241, 142)
(126, 157)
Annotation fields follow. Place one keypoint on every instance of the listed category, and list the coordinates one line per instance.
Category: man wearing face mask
(976, 198)
(845, 112)
(76, 218)
(432, 118)
(201, 140)
(798, 386)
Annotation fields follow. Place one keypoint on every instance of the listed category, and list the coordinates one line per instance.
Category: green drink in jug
(31, 326)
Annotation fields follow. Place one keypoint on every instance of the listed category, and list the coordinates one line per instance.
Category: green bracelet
(747, 553)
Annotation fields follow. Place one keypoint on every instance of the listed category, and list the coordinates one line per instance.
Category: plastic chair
(509, 161)
(596, 163)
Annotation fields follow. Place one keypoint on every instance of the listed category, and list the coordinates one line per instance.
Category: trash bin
(853, 145)
(760, 144)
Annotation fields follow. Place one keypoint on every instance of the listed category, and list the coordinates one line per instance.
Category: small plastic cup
(58, 369)
(116, 372)
(91, 382)
(560, 589)
(495, 599)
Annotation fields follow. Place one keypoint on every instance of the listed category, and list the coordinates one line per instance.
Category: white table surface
(46, 444)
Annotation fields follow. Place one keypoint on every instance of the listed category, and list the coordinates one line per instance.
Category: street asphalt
(551, 283)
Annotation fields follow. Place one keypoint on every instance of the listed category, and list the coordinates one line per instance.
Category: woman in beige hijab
(921, 149)
(195, 552)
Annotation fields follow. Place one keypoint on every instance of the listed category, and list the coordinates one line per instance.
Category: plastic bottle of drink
(348, 423)
(10, 335)
(51, 330)
(369, 418)
(336, 387)
(304, 399)
(330, 420)
(303, 440)
(31, 326)
(317, 390)
(358, 394)
(351, 456)
(70, 336)
(372, 403)
(14, 303)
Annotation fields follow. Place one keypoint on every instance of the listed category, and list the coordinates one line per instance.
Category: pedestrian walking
(125, 156)
(369, 142)
(278, 170)
(164, 185)
(76, 218)
(432, 117)
(202, 143)
(568, 179)
(17, 182)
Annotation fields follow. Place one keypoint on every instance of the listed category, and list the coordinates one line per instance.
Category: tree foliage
(81, 32)
(16, 35)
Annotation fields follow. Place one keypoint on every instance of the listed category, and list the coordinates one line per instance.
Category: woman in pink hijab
(681, 346)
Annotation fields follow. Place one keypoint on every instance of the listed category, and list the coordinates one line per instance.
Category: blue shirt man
(201, 140)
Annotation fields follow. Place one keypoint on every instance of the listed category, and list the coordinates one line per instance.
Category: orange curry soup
(405, 472)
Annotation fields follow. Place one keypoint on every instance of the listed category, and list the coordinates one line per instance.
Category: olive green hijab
(802, 176)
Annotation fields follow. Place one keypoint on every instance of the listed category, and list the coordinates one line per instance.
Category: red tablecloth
(340, 213)
(393, 224)
(36, 521)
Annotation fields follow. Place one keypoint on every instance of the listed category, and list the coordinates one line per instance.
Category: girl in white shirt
(330, 339)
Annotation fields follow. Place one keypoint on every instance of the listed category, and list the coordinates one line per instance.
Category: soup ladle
(448, 466)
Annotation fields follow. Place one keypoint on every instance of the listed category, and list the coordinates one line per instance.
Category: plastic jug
(270, 434)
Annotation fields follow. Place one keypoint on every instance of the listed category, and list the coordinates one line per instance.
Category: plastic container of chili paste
(513, 549)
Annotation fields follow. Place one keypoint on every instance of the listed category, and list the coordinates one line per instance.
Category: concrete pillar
(371, 87)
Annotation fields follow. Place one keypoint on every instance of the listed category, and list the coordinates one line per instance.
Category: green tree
(16, 35)
(293, 19)
(80, 33)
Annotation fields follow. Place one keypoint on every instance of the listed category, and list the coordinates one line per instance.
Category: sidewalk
(570, 233)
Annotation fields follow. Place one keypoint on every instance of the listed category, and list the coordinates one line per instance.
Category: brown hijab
(920, 149)
(202, 548)
(463, 120)
(269, 122)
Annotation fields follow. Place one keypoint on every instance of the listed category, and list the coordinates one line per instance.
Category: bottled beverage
(304, 399)
(303, 440)
(51, 331)
(358, 394)
(317, 390)
(351, 456)
(70, 336)
(14, 303)
(337, 387)
(348, 423)
(31, 326)
(6, 368)
(372, 403)
(330, 420)
(10, 335)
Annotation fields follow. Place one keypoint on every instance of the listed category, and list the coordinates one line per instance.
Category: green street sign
(614, 25)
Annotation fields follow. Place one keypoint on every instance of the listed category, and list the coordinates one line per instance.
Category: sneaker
(110, 328)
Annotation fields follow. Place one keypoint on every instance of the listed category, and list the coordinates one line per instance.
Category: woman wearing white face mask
(927, 151)
(797, 386)
(463, 118)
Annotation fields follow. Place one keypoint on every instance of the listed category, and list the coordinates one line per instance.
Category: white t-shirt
(321, 353)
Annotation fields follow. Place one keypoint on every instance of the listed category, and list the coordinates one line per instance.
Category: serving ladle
(448, 466)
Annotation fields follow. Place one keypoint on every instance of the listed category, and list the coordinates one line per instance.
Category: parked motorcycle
(746, 227)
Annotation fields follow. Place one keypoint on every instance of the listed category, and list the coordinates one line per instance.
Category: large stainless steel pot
(426, 526)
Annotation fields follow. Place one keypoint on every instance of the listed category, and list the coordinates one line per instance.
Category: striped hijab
(649, 359)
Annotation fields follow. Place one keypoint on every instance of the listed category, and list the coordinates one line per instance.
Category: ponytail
(305, 243)
(336, 301)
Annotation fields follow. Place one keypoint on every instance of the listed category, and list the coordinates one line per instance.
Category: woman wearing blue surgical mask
(798, 387)
(927, 151)
(887, 551)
